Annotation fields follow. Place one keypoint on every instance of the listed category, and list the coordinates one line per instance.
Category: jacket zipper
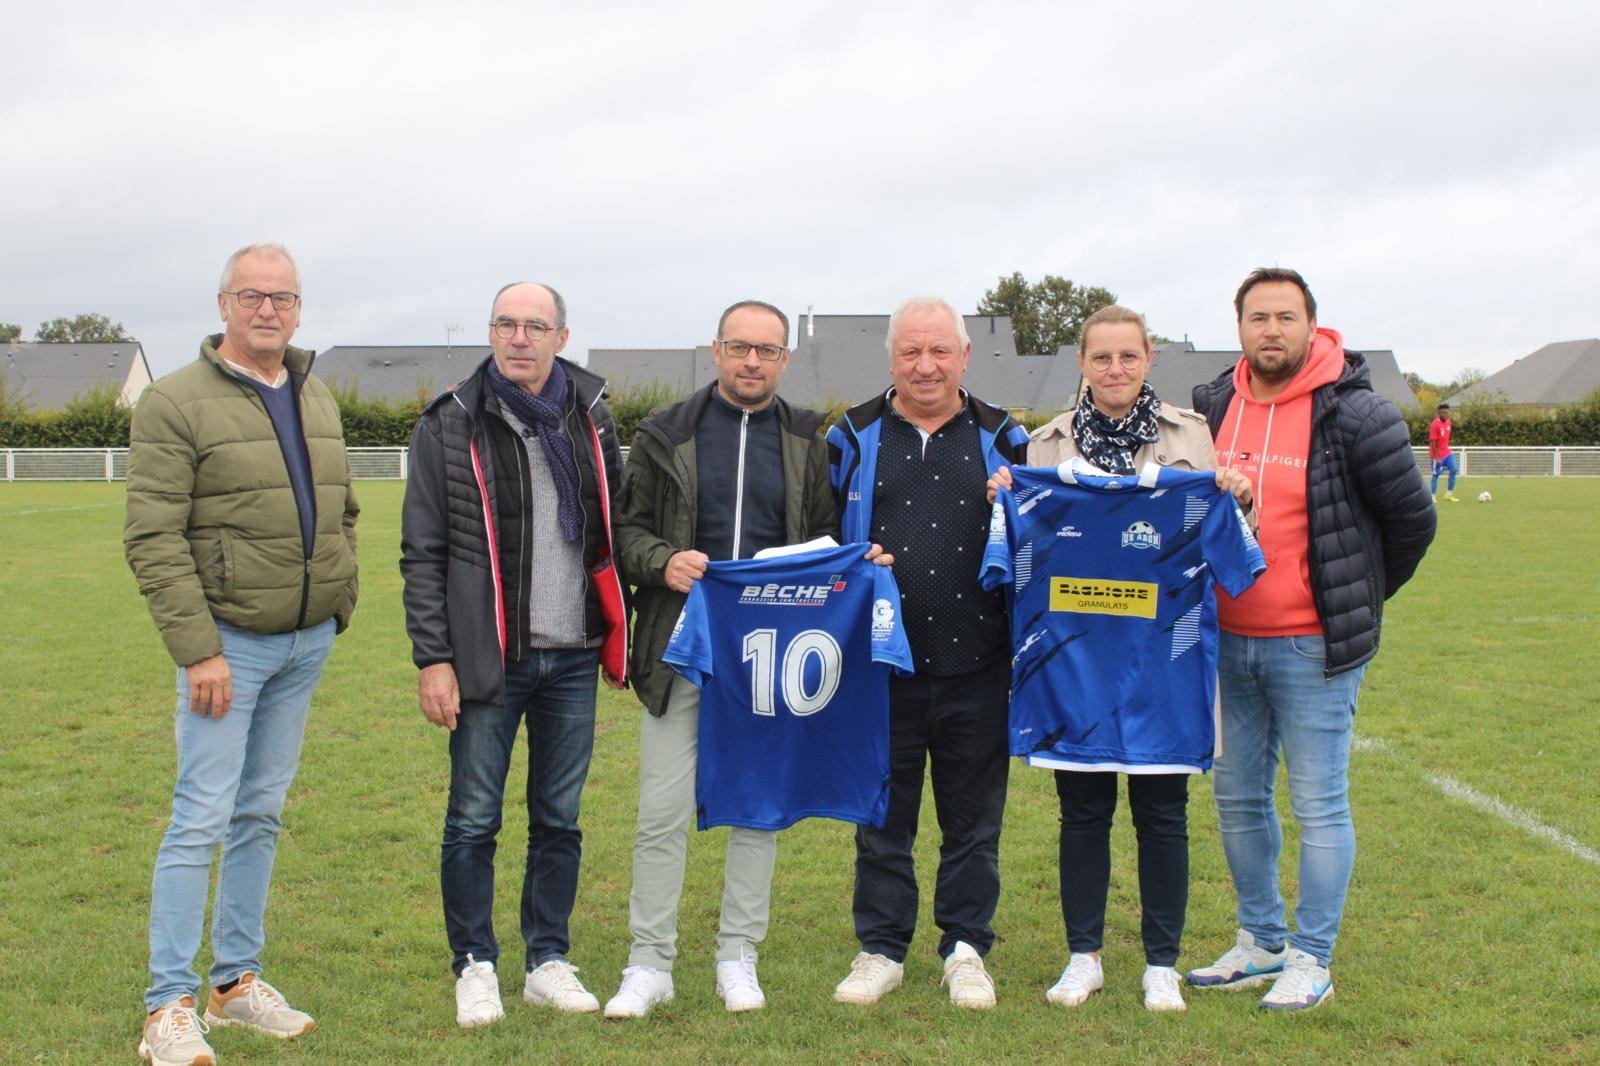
(738, 489)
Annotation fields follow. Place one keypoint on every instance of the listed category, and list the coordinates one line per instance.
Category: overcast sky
(1430, 167)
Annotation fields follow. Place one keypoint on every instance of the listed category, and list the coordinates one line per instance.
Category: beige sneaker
(970, 984)
(871, 978)
(256, 1005)
(556, 984)
(478, 995)
(174, 1036)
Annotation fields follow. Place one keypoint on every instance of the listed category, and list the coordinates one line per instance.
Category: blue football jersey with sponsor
(1113, 613)
(792, 657)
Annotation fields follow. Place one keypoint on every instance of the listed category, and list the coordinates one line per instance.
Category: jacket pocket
(229, 563)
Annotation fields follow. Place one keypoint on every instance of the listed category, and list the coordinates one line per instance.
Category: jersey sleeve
(889, 644)
(995, 568)
(689, 650)
(1230, 548)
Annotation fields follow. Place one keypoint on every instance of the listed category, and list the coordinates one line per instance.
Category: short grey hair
(926, 303)
(260, 248)
(561, 305)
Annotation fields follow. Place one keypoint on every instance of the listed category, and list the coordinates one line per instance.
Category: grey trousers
(666, 803)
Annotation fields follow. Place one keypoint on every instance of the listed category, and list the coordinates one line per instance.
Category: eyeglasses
(251, 298)
(1102, 361)
(535, 331)
(768, 353)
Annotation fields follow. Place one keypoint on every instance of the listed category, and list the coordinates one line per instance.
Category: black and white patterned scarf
(1109, 443)
(543, 414)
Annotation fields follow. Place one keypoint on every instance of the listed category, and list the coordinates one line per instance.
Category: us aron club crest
(1141, 535)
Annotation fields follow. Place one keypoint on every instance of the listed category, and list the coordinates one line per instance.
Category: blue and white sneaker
(1305, 984)
(1242, 966)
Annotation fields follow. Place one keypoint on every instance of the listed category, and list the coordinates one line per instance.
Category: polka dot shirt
(929, 512)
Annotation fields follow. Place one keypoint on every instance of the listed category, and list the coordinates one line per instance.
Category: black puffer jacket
(1371, 518)
(451, 600)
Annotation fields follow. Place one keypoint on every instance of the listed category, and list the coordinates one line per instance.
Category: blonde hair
(1112, 314)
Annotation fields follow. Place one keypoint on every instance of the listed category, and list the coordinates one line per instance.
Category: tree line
(1046, 315)
(79, 329)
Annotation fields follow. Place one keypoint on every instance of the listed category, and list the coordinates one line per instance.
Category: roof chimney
(810, 327)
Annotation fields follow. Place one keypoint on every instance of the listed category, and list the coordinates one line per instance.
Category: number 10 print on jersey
(1113, 616)
(792, 657)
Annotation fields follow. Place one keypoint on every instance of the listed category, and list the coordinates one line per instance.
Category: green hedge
(99, 420)
(1570, 427)
(96, 420)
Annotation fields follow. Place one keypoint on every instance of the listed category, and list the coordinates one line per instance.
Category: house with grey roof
(1562, 373)
(48, 376)
(841, 359)
(398, 372)
(836, 360)
(679, 371)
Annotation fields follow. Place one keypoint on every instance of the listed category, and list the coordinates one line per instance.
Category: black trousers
(960, 724)
(1161, 823)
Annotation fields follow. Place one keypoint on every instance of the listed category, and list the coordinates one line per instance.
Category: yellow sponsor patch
(1092, 595)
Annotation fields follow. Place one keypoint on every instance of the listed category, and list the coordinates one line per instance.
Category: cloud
(1417, 162)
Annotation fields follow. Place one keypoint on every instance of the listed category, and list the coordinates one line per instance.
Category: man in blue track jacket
(909, 469)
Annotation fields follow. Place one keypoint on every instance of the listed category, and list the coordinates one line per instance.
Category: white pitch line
(54, 510)
(1491, 805)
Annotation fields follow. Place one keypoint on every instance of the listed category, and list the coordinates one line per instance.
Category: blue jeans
(1274, 696)
(554, 690)
(1160, 805)
(233, 774)
(1439, 467)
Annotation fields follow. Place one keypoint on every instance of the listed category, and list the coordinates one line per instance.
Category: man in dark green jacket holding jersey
(727, 472)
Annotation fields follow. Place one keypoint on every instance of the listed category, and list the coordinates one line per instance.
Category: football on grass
(1484, 497)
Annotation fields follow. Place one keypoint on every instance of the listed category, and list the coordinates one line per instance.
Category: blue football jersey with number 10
(1113, 617)
(792, 656)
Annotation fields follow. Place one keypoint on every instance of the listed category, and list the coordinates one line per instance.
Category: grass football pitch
(1472, 932)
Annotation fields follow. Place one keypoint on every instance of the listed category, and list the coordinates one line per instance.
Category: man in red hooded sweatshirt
(1344, 521)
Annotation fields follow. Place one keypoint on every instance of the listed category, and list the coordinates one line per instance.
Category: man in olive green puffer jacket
(241, 532)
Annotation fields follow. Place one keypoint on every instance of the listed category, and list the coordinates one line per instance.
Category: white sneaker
(1082, 978)
(1242, 966)
(970, 984)
(174, 1036)
(1305, 983)
(642, 988)
(478, 995)
(1161, 990)
(256, 1005)
(556, 984)
(737, 984)
(871, 978)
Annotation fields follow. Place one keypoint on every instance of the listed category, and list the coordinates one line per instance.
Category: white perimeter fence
(111, 464)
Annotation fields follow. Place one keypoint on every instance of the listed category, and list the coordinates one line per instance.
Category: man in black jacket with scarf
(511, 603)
